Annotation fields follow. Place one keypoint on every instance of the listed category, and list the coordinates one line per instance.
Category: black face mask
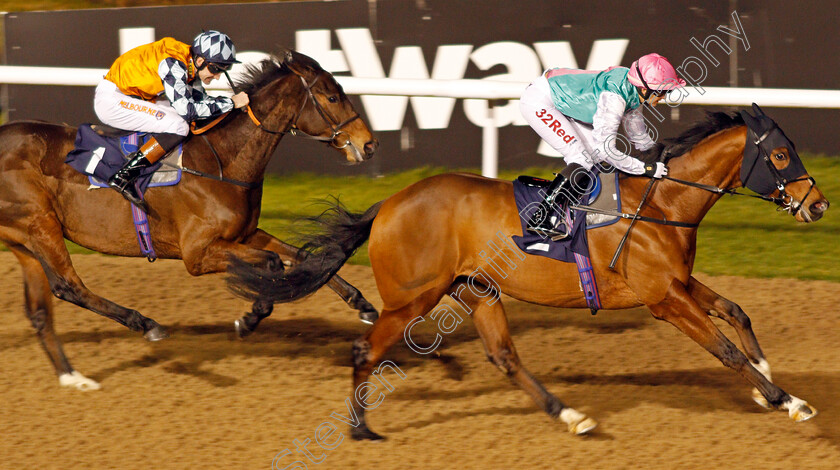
(757, 170)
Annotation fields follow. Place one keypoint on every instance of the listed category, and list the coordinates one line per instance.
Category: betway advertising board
(489, 39)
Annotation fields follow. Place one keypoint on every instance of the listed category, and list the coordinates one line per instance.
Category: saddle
(107, 131)
(100, 151)
(603, 199)
(529, 191)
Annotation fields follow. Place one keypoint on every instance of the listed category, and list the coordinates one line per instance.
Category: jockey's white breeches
(116, 109)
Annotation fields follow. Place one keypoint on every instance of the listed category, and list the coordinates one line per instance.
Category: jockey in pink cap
(578, 113)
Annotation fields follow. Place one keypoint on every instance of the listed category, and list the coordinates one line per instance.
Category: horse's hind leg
(715, 304)
(47, 244)
(681, 310)
(39, 310)
(491, 322)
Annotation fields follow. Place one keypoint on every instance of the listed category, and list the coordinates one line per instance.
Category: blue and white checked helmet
(215, 47)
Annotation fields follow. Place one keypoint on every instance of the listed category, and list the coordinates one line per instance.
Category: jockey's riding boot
(542, 223)
(124, 180)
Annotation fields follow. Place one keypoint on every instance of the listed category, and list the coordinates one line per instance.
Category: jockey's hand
(656, 170)
(240, 100)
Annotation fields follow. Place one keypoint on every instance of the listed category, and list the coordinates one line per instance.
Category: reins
(296, 131)
(784, 200)
(221, 177)
(718, 190)
(293, 130)
(625, 215)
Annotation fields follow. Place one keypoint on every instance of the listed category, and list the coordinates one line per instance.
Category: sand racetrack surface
(202, 399)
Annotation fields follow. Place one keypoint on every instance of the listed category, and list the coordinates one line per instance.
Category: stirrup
(552, 233)
(128, 190)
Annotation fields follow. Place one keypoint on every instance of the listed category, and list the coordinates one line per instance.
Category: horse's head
(771, 167)
(326, 113)
(292, 93)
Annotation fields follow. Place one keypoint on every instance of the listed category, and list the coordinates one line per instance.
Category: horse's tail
(321, 256)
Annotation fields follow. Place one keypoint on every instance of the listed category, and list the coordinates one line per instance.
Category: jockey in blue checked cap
(157, 88)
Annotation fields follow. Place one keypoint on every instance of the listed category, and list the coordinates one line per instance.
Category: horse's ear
(757, 110)
(750, 121)
(289, 60)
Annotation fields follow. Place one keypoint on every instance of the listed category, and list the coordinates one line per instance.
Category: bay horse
(433, 238)
(201, 221)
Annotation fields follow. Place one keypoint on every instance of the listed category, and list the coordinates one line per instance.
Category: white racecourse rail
(466, 88)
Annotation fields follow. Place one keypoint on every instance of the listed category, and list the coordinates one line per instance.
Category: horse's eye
(780, 156)
(333, 99)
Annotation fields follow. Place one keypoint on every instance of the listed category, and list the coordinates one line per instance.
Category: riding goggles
(218, 68)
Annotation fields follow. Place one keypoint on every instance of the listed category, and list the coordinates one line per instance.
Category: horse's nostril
(819, 207)
(370, 147)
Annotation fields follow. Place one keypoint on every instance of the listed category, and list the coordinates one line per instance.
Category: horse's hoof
(362, 433)
(577, 422)
(759, 398)
(583, 426)
(156, 334)
(78, 381)
(241, 328)
(368, 316)
(802, 412)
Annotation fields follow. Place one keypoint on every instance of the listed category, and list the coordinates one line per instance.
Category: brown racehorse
(202, 221)
(431, 239)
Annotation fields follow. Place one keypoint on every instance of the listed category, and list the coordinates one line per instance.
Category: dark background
(790, 48)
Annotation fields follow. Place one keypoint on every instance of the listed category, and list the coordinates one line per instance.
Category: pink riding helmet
(657, 73)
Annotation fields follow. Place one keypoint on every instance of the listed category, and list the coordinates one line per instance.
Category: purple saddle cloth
(101, 157)
(528, 199)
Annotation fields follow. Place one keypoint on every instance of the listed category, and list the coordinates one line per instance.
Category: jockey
(578, 112)
(157, 88)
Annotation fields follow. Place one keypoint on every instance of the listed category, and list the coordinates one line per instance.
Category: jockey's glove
(655, 170)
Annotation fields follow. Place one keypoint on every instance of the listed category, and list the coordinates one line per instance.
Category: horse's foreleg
(369, 349)
(46, 242)
(39, 310)
(715, 304)
(491, 322)
(290, 254)
(215, 257)
(681, 310)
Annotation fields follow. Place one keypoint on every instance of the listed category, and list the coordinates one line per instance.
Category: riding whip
(230, 82)
(662, 156)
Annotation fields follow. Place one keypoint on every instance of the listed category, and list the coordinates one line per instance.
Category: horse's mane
(266, 71)
(713, 123)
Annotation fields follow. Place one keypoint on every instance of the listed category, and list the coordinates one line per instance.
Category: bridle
(784, 200)
(296, 131)
(293, 129)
